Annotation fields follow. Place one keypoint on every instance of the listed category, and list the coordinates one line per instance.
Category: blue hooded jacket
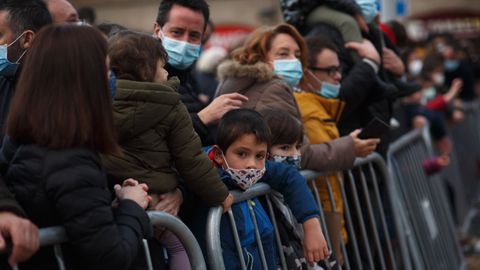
(281, 177)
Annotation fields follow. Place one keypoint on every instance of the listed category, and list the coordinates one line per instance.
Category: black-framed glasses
(331, 71)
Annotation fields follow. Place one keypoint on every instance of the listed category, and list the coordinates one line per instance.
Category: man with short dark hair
(19, 21)
(181, 25)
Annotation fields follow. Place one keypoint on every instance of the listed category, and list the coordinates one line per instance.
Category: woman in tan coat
(266, 70)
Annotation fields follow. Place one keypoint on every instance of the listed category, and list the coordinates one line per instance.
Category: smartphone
(375, 129)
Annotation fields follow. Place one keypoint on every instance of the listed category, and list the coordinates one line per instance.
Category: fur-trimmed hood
(260, 72)
(235, 77)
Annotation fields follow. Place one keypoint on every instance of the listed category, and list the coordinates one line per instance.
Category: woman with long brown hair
(60, 119)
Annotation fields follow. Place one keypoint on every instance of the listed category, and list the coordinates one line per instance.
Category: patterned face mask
(290, 160)
(245, 178)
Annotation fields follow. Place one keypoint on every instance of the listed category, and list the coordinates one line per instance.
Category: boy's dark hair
(316, 44)
(240, 122)
(134, 56)
(26, 15)
(197, 5)
(285, 128)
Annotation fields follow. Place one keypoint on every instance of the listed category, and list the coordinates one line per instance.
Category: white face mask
(244, 178)
(415, 67)
(438, 79)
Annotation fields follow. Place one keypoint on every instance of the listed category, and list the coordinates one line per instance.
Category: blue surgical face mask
(290, 70)
(112, 84)
(329, 90)
(451, 65)
(369, 9)
(8, 68)
(181, 54)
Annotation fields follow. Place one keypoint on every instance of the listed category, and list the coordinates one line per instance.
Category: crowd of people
(100, 123)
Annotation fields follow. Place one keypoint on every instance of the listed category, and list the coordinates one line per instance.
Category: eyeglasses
(331, 71)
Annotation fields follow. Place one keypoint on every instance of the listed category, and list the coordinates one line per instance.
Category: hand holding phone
(375, 129)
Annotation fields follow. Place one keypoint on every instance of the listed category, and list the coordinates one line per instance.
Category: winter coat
(68, 188)
(345, 23)
(281, 177)
(320, 116)
(159, 143)
(295, 11)
(189, 96)
(266, 91)
(358, 92)
(7, 88)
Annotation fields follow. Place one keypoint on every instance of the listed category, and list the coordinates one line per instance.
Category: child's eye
(242, 154)
(285, 147)
(299, 146)
(260, 156)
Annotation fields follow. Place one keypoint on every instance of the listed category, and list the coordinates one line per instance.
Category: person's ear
(27, 40)
(157, 30)
(218, 155)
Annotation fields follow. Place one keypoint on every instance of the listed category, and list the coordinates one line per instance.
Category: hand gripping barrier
(56, 236)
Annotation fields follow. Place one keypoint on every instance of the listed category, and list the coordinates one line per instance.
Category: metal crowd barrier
(213, 241)
(369, 238)
(56, 236)
(370, 243)
(466, 139)
(422, 205)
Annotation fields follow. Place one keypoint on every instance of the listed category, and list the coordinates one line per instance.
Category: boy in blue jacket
(243, 140)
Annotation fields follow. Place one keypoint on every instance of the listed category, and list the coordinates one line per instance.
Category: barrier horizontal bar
(177, 227)
(57, 235)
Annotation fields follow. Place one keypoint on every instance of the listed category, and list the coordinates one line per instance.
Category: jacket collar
(235, 77)
(259, 71)
(183, 75)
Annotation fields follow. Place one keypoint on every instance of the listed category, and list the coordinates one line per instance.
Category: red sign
(229, 36)
(461, 23)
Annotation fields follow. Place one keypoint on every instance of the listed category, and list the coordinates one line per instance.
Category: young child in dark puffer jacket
(155, 132)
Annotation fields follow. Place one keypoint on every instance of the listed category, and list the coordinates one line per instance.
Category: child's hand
(227, 203)
(136, 193)
(443, 160)
(314, 244)
(454, 90)
(169, 202)
(419, 121)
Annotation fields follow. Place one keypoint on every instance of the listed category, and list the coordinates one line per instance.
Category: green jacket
(159, 143)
